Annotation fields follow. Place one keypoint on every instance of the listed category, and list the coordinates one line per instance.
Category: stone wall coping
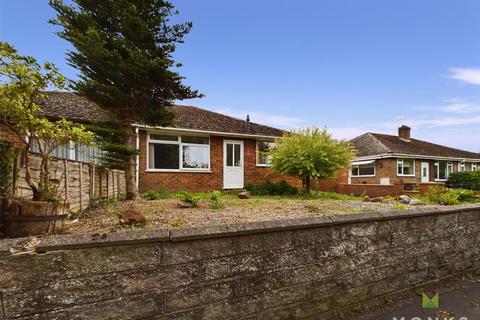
(79, 241)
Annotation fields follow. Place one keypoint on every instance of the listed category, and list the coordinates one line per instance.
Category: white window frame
(400, 161)
(462, 167)
(180, 151)
(364, 175)
(473, 166)
(447, 173)
(257, 154)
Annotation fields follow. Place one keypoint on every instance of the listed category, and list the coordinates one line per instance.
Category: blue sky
(353, 66)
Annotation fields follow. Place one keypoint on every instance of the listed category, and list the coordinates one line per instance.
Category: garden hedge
(465, 180)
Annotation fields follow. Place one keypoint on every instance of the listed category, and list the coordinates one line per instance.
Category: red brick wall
(372, 190)
(206, 181)
(330, 185)
(12, 137)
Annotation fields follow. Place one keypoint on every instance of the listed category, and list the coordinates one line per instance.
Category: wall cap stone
(78, 241)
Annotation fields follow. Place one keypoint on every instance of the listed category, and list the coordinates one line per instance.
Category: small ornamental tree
(22, 84)
(311, 153)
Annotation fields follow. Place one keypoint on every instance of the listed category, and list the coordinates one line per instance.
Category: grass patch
(178, 222)
(323, 195)
(95, 204)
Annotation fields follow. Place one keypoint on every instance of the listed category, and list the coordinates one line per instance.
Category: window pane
(163, 137)
(197, 140)
(229, 154)
(367, 170)
(163, 156)
(264, 158)
(237, 154)
(195, 157)
(449, 169)
(405, 166)
(355, 171)
(442, 170)
(265, 146)
(467, 166)
(263, 149)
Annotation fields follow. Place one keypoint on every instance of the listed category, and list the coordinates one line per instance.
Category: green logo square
(429, 303)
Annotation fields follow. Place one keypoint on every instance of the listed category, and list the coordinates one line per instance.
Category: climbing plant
(7, 158)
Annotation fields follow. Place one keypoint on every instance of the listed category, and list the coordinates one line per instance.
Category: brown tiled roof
(371, 144)
(71, 106)
(189, 117)
(76, 108)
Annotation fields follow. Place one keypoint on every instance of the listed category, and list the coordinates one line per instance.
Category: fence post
(65, 178)
(80, 177)
(91, 181)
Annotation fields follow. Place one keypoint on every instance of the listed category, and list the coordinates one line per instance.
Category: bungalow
(401, 160)
(201, 151)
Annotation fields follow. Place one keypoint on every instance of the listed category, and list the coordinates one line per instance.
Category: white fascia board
(416, 156)
(204, 132)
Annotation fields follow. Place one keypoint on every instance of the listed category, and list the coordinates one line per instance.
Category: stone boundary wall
(296, 269)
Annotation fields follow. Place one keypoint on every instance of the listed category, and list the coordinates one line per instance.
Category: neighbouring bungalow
(201, 151)
(388, 160)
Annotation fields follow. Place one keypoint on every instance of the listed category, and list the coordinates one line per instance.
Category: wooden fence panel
(78, 182)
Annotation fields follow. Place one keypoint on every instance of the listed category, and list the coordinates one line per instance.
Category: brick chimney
(404, 133)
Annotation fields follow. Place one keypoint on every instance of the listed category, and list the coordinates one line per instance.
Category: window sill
(176, 171)
(368, 176)
(407, 175)
(264, 165)
(440, 180)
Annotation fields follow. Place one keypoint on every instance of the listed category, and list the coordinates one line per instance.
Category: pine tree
(123, 49)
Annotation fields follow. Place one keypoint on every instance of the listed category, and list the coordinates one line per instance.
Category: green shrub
(464, 180)
(272, 189)
(156, 195)
(216, 197)
(191, 198)
(450, 197)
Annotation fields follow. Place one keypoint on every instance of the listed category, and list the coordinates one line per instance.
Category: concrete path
(461, 303)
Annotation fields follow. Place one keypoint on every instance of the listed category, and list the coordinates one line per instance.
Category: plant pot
(28, 218)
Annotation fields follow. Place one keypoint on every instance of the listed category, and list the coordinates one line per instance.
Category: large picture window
(443, 169)
(263, 153)
(406, 167)
(171, 152)
(363, 170)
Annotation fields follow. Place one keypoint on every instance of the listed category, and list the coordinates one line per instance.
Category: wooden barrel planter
(28, 218)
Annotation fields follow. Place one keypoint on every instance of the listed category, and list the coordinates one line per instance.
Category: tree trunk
(308, 184)
(28, 176)
(131, 167)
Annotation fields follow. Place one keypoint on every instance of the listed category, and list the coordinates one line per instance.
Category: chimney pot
(404, 133)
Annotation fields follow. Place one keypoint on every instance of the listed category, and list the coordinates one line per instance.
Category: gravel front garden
(221, 209)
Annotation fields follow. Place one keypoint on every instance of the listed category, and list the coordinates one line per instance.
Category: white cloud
(461, 106)
(436, 122)
(468, 75)
(278, 121)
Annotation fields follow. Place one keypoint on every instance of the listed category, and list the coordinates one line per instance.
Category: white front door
(425, 174)
(232, 164)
